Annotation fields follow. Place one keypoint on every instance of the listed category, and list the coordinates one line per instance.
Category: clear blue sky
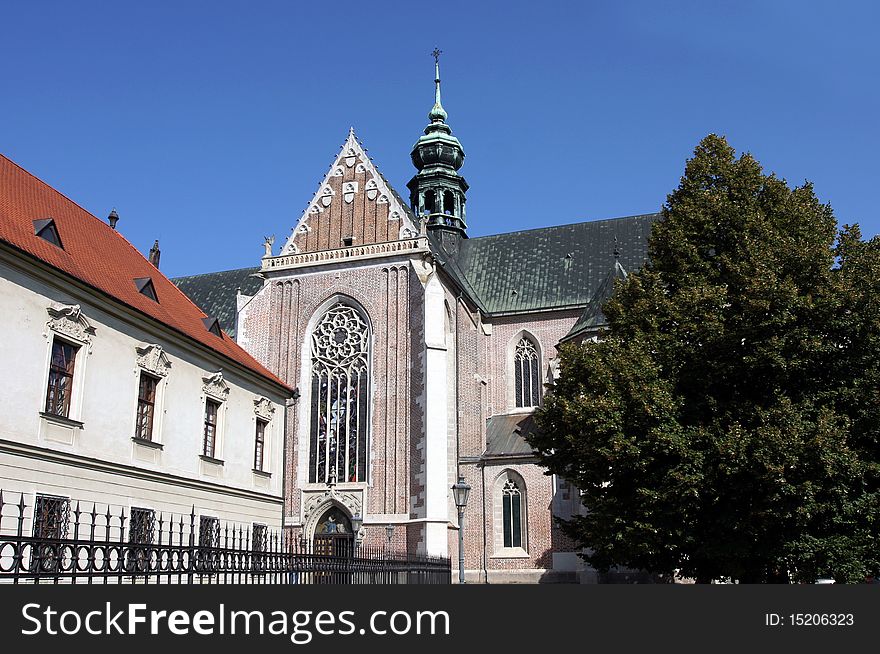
(210, 124)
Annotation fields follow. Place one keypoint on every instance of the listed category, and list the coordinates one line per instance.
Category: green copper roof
(506, 434)
(592, 318)
(551, 267)
(214, 293)
(535, 270)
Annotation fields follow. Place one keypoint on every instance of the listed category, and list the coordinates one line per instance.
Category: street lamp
(356, 523)
(389, 531)
(461, 490)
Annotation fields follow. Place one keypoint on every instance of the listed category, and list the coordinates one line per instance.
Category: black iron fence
(50, 539)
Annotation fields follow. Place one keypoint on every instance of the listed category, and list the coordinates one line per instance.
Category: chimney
(113, 218)
(155, 254)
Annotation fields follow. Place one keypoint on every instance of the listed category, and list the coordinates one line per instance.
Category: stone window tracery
(340, 349)
(511, 499)
(527, 373)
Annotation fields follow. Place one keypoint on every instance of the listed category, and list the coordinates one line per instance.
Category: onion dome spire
(437, 192)
(437, 114)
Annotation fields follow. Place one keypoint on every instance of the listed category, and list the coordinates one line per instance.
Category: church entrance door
(334, 546)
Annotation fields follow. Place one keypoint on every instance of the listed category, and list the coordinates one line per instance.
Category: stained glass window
(527, 374)
(340, 348)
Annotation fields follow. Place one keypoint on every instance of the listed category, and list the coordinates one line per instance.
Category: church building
(418, 356)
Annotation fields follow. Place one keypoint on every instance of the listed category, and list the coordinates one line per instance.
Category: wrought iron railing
(51, 539)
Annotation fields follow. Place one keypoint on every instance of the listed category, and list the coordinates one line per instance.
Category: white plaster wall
(107, 378)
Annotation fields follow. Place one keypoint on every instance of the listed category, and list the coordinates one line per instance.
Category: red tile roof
(102, 258)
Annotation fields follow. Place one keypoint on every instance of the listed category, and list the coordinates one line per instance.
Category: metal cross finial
(436, 54)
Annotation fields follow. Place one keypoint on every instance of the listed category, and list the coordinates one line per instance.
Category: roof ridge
(214, 272)
(580, 222)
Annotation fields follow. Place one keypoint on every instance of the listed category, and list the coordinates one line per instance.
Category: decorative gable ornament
(372, 190)
(373, 184)
(263, 408)
(349, 190)
(152, 358)
(338, 172)
(215, 386)
(327, 196)
(68, 320)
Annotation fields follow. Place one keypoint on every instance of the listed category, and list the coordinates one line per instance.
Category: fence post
(192, 543)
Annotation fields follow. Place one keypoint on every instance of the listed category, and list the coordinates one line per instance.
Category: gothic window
(511, 513)
(60, 378)
(340, 347)
(527, 374)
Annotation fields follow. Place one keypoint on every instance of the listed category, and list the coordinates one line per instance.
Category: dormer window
(145, 287)
(213, 326)
(47, 231)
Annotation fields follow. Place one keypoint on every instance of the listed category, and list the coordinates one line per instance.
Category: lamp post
(389, 532)
(356, 523)
(461, 490)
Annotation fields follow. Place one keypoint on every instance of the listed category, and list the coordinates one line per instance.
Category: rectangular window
(259, 444)
(60, 384)
(259, 545)
(209, 537)
(51, 520)
(146, 407)
(212, 410)
(141, 528)
(260, 541)
(209, 531)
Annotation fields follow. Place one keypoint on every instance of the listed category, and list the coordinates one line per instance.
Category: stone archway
(333, 535)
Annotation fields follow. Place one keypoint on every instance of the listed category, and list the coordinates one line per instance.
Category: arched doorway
(333, 534)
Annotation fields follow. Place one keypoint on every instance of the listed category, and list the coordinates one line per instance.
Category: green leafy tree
(726, 424)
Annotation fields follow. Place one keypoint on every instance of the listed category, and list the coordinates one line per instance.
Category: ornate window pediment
(215, 386)
(68, 320)
(263, 408)
(152, 358)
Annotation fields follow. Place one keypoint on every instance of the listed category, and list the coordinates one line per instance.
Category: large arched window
(340, 396)
(527, 373)
(511, 513)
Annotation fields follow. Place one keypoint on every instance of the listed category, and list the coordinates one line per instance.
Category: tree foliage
(726, 423)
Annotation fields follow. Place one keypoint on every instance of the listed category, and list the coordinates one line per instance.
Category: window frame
(504, 549)
(46, 557)
(322, 417)
(519, 367)
(211, 401)
(260, 444)
(153, 404)
(70, 375)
